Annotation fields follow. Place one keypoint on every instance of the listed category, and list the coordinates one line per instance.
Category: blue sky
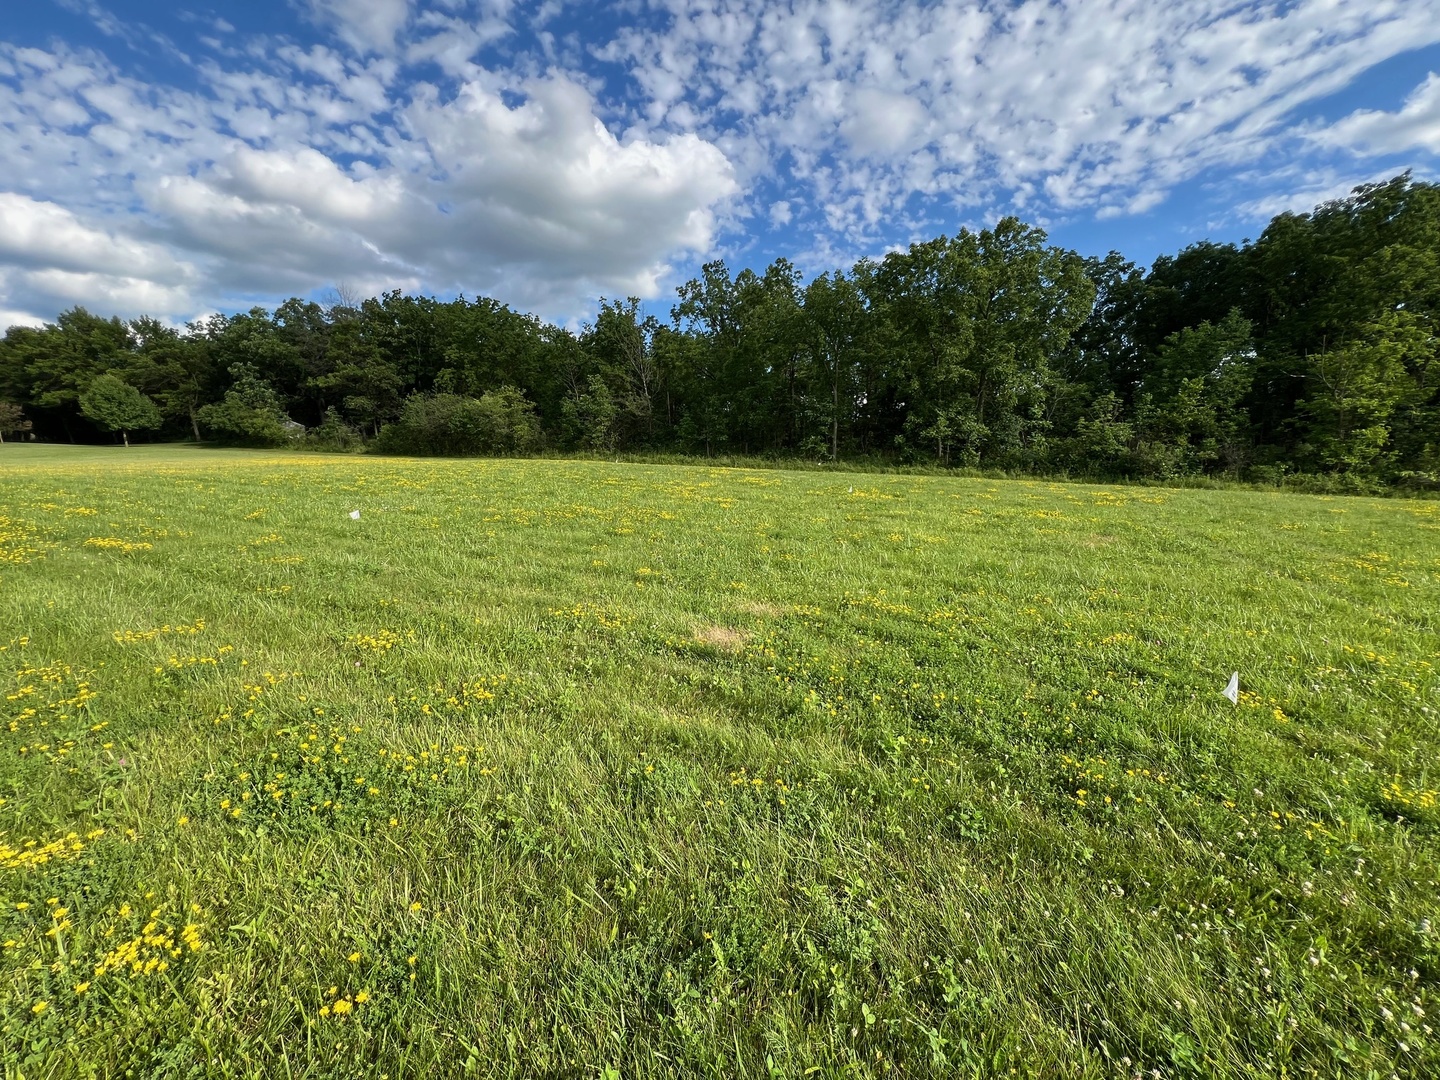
(179, 159)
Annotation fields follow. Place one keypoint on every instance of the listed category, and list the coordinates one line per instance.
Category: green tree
(835, 320)
(367, 385)
(12, 420)
(620, 343)
(1193, 398)
(987, 316)
(177, 371)
(592, 414)
(1102, 441)
(115, 405)
(1355, 389)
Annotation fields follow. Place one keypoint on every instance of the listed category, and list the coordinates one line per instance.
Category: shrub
(500, 421)
(250, 415)
(334, 434)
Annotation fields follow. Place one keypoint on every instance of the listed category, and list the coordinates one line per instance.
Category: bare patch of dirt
(723, 638)
(763, 610)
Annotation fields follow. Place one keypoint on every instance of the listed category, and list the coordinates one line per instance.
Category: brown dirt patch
(724, 638)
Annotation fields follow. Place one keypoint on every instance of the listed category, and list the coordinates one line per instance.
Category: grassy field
(591, 770)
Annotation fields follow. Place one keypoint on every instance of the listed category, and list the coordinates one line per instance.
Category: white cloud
(268, 184)
(109, 292)
(56, 261)
(365, 25)
(882, 122)
(973, 102)
(47, 236)
(1415, 127)
(546, 183)
(289, 166)
(1308, 192)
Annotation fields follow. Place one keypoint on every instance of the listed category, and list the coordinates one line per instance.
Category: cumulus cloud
(55, 260)
(46, 236)
(1416, 126)
(882, 122)
(546, 183)
(267, 185)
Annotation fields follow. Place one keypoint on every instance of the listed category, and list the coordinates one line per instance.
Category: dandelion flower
(39, 1007)
(415, 906)
(354, 957)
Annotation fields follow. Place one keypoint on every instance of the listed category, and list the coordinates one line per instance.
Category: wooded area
(1311, 350)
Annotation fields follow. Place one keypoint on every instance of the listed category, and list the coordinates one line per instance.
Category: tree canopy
(115, 405)
(1312, 349)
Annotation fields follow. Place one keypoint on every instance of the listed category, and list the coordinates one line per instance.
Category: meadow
(580, 769)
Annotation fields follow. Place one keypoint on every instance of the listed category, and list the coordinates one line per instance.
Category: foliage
(592, 415)
(115, 405)
(12, 420)
(334, 434)
(500, 421)
(250, 414)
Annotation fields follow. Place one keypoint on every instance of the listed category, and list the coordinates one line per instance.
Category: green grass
(581, 769)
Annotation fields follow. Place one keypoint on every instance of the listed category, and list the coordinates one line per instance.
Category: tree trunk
(194, 423)
(126, 436)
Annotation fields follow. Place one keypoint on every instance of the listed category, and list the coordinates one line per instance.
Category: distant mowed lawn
(575, 769)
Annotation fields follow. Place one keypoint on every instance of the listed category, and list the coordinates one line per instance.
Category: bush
(250, 415)
(498, 422)
(334, 434)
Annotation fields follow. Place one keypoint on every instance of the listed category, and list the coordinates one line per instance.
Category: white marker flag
(354, 515)
(1232, 689)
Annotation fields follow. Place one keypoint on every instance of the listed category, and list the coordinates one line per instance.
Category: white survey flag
(1232, 689)
(354, 515)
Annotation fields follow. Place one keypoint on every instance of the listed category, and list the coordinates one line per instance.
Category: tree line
(1311, 350)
